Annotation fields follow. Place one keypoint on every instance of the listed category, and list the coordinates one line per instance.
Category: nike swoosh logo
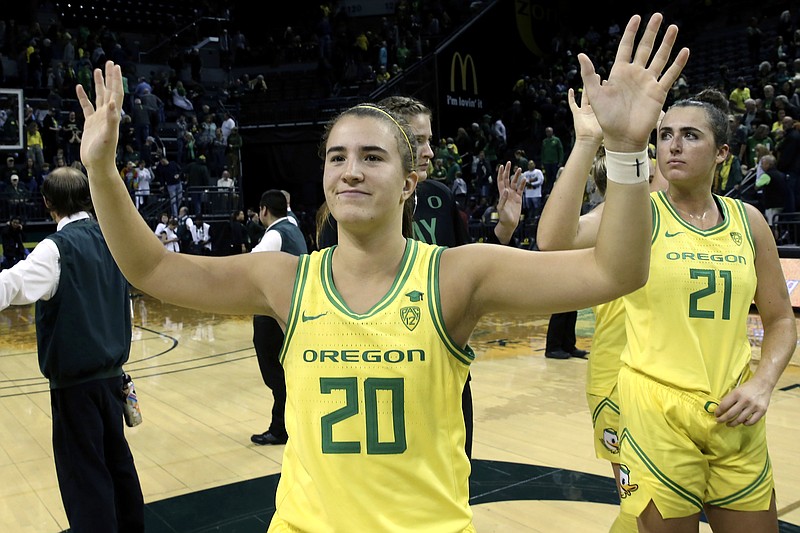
(306, 318)
(668, 234)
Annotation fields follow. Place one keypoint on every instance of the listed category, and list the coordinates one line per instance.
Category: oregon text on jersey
(713, 258)
(365, 356)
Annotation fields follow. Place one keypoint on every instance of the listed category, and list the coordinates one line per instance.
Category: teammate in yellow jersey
(561, 226)
(692, 422)
(363, 453)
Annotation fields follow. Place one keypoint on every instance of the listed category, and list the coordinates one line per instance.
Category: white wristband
(627, 168)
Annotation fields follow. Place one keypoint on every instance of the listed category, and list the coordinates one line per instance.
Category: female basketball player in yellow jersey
(692, 429)
(377, 328)
(686, 378)
(561, 227)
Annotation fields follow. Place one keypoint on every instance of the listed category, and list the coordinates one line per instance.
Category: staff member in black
(282, 235)
(83, 332)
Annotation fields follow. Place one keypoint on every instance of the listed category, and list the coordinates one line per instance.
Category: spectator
(483, 179)
(198, 179)
(782, 102)
(151, 151)
(180, 98)
(254, 228)
(235, 143)
(236, 241)
(754, 36)
(196, 65)
(772, 188)
(438, 171)
(208, 130)
(216, 153)
(738, 95)
(727, 176)
(129, 174)
(227, 126)
(788, 162)
(144, 178)
(51, 134)
(201, 236)
(169, 236)
(552, 158)
(7, 171)
(17, 196)
(35, 144)
(534, 179)
(141, 118)
(142, 86)
(459, 189)
(154, 106)
(168, 174)
(739, 134)
(13, 240)
(759, 136)
(181, 127)
(30, 175)
(71, 138)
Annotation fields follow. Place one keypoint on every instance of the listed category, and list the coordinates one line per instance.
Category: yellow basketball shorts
(277, 525)
(605, 421)
(674, 452)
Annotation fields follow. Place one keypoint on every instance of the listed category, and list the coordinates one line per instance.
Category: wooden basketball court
(202, 397)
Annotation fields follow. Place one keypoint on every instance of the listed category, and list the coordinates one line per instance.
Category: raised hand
(627, 104)
(583, 119)
(101, 126)
(509, 204)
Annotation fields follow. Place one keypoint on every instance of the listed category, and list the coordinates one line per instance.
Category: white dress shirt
(200, 234)
(271, 241)
(35, 278)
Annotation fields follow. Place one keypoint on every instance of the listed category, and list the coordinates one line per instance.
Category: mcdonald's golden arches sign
(464, 66)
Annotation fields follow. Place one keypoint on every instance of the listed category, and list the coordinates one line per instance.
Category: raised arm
(186, 280)
(509, 203)
(627, 106)
(561, 226)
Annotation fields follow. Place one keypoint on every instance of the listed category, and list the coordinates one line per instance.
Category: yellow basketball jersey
(687, 327)
(607, 344)
(376, 432)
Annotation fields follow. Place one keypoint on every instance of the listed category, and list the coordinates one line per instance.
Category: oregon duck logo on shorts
(737, 237)
(610, 440)
(626, 488)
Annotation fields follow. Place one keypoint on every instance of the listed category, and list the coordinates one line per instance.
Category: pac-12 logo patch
(737, 237)
(410, 317)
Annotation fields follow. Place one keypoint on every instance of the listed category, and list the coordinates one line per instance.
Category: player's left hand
(746, 404)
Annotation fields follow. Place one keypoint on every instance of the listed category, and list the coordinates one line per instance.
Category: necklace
(687, 215)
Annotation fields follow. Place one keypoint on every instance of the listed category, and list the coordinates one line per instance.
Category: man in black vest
(282, 235)
(83, 331)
